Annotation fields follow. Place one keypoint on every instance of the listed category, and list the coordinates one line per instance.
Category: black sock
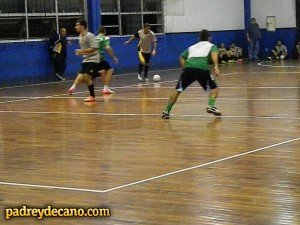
(141, 67)
(91, 90)
(146, 71)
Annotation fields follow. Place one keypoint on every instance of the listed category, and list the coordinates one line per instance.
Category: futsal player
(91, 59)
(146, 48)
(194, 62)
(106, 71)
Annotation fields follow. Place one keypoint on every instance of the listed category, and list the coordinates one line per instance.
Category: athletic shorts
(104, 65)
(146, 56)
(190, 75)
(90, 68)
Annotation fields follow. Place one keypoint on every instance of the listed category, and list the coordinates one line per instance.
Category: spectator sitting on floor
(280, 52)
(223, 54)
(235, 53)
(298, 50)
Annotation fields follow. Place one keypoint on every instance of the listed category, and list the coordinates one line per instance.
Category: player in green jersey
(105, 69)
(195, 61)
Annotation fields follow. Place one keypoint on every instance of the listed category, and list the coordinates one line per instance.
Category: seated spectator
(235, 53)
(223, 54)
(280, 52)
(298, 50)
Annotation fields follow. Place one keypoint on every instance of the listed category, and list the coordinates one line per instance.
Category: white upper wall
(195, 15)
(284, 10)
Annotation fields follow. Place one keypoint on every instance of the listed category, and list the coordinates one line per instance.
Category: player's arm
(111, 53)
(85, 51)
(183, 57)
(132, 38)
(215, 60)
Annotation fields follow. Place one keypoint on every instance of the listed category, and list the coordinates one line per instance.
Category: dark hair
(102, 30)
(147, 25)
(204, 35)
(253, 19)
(82, 23)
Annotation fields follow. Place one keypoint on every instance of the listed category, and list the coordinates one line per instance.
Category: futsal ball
(156, 78)
(282, 57)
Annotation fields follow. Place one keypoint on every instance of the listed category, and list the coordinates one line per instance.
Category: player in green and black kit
(105, 69)
(194, 62)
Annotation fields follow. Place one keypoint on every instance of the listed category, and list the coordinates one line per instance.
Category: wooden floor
(194, 169)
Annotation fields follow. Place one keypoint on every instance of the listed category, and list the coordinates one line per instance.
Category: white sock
(106, 87)
(73, 87)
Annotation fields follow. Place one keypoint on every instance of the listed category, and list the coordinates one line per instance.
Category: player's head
(222, 45)
(146, 28)
(81, 25)
(102, 30)
(205, 35)
(63, 31)
(253, 21)
(233, 45)
(279, 43)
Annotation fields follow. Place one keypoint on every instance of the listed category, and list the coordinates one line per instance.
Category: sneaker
(71, 91)
(90, 99)
(224, 62)
(165, 115)
(213, 110)
(270, 58)
(108, 92)
(59, 77)
(231, 61)
(146, 80)
(140, 77)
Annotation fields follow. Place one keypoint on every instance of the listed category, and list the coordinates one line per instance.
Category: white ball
(156, 78)
(282, 57)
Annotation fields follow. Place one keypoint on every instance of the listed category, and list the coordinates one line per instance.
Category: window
(29, 19)
(125, 17)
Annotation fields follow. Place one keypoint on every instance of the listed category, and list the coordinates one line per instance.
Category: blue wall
(29, 62)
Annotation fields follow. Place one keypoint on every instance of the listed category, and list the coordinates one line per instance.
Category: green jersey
(199, 55)
(103, 42)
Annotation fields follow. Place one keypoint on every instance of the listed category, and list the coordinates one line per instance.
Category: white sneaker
(140, 77)
(146, 80)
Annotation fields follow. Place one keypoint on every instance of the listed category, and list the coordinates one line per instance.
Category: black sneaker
(59, 77)
(213, 110)
(165, 115)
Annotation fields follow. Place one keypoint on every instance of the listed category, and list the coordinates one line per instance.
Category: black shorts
(104, 65)
(146, 56)
(90, 68)
(191, 75)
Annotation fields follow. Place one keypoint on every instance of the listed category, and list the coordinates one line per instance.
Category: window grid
(131, 14)
(37, 19)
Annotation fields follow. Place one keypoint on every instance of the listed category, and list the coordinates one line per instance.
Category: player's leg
(107, 78)
(185, 80)
(250, 50)
(206, 80)
(79, 79)
(147, 57)
(89, 82)
(141, 65)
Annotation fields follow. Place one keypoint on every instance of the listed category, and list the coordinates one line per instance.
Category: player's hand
(248, 39)
(153, 53)
(126, 42)
(78, 52)
(217, 71)
(116, 60)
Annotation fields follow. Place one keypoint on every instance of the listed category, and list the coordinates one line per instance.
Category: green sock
(211, 102)
(169, 107)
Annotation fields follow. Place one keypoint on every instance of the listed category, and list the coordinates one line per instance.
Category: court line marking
(67, 81)
(145, 114)
(24, 185)
(112, 97)
(269, 64)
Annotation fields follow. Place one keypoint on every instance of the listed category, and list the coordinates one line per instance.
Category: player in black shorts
(105, 69)
(194, 62)
(90, 64)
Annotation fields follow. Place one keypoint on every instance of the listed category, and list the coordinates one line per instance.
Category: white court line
(145, 114)
(151, 178)
(67, 81)
(269, 64)
(113, 97)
